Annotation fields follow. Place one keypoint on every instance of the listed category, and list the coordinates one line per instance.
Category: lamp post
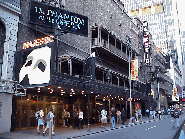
(129, 48)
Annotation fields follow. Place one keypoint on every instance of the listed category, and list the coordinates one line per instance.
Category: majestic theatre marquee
(46, 15)
(35, 62)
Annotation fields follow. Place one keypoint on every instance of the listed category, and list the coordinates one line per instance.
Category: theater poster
(34, 63)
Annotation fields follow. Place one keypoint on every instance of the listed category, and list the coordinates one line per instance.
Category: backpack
(37, 115)
(47, 117)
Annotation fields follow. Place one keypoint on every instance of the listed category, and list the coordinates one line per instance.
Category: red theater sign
(38, 42)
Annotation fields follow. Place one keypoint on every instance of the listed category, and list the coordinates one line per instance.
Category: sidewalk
(65, 132)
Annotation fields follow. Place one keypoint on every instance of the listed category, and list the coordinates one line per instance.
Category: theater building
(69, 50)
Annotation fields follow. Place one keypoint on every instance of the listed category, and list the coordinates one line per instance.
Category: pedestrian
(76, 118)
(171, 111)
(65, 118)
(40, 116)
(113, 117)
(151, 114)
(136, 115)
(147, 112)
(80, 119)
(118, 113)
(97, 116)
(154, 112)
(168, 112)
(139, 114)
(123, 116)
(68, 118)
(159, 113)
(176, 118)
(49, 117)
(104, 117)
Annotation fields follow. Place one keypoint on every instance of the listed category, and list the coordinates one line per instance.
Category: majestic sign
(33, 65)
(58, 18)
(38, 42)
(145, 42)
(134, 69)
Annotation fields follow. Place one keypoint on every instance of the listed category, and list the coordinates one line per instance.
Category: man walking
(40, 116)
(176, 118)
(159, 113)
(139, 114)
(113, 117)
(123, 116)
(118, 113)
(80, 119)
(147, 113)
(76, 119)
(104, 117)
(49, 117)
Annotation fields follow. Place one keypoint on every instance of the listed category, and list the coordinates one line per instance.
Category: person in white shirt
(118, 113)
(80, 119)
(159, 113)
(40, 120)
(51, 116)
(104, 117)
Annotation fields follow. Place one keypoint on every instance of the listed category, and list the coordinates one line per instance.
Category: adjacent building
(9, 18)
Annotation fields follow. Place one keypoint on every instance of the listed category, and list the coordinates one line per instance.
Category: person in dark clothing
(123, 116)
(113, 117)
(76, 118)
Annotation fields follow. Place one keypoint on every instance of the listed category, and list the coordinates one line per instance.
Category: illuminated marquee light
(38, 42)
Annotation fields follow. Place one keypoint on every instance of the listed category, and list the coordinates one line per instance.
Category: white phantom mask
(37, 66)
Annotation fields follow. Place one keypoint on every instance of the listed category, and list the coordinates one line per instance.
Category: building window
(2, 40)
(0, 109)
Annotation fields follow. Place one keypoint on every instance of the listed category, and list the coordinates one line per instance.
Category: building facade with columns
(9, 18)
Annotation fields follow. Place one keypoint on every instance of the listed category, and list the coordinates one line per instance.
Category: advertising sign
(134, 69)
(146, 41)
(175, 96)
(34, 64)
(54, 17)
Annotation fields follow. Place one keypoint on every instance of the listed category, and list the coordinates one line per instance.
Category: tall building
(164, 25)
(162, 16)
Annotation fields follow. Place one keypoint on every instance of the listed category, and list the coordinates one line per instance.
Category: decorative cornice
(11, 7)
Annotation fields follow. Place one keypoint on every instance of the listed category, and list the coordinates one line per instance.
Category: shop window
(54, 99)
(77, 68)
(48, 98)
(0, 109)
(40, 98)
(63, 66)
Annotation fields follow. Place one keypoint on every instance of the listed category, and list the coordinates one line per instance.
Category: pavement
(95, 129)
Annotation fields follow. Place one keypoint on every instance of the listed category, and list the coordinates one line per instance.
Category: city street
(161, 129)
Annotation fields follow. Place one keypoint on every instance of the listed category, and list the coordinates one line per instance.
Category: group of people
(78, 119)
(121, 117)
(41, 121)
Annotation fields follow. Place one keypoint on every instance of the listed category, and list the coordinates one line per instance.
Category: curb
(179, 129)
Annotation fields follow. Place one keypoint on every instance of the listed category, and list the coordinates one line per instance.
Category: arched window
(2, 41)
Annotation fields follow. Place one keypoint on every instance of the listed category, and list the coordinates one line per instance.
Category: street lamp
(130, 50)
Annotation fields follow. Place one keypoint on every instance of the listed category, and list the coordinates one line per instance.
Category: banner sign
(34, 65)
(134, 69)
(146, 41)
(54, 17)
(175, 96)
